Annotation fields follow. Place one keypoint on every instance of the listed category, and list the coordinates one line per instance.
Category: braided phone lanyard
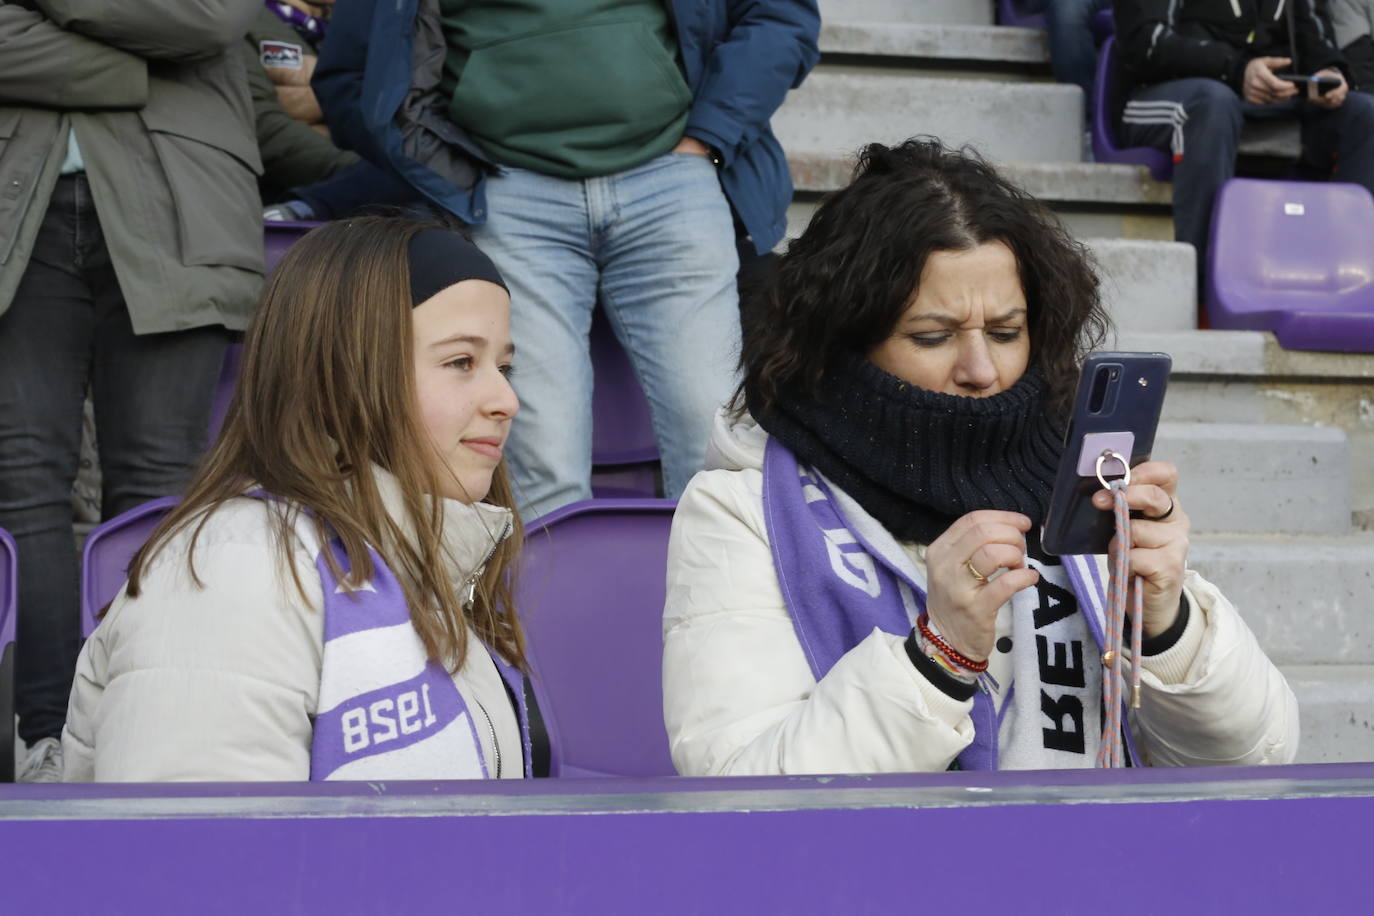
(1110, 752)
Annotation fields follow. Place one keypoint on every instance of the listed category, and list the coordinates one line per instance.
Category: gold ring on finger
(976, 574)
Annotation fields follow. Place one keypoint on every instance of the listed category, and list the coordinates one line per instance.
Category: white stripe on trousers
(1158, 112)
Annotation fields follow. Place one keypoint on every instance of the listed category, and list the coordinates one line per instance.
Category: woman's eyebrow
(953, 321)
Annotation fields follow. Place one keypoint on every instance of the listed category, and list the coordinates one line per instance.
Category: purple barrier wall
(1277, 840)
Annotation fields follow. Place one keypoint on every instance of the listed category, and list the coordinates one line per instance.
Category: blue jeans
(1073, 53)
(655, 246)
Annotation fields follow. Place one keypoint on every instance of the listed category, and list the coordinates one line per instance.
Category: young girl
(328, 601)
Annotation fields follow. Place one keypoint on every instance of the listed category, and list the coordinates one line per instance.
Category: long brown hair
(327, 390)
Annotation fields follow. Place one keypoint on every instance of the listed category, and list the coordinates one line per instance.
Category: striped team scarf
(840, 581)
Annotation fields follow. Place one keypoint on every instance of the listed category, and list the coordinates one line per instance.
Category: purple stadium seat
(624, 451)
(276, 238)
(1295, 258)
(109, 548)
(1105, 148)
(1009, 12)
(590, 595)
(1103, 26)
(9, 612)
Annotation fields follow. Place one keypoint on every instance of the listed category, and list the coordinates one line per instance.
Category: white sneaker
(43, 763)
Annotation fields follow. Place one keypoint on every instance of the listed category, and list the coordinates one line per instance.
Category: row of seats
(589, 591)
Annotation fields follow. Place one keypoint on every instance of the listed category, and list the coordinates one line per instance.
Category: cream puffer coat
(739, 697)
(220, 683)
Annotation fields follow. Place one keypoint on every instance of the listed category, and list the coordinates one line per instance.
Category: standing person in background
(1196, 69)
(604, 151)
(130, 244)
(305, 176)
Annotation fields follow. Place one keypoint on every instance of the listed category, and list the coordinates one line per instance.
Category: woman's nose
(974, 371)
(502, 401)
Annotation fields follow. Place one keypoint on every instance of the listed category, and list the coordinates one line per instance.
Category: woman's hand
(1159, 551)
(963, 607)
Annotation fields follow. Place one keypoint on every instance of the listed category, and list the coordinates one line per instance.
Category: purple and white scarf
(309, 27)
(842, 575)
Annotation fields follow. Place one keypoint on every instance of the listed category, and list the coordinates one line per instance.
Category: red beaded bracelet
(951, 653)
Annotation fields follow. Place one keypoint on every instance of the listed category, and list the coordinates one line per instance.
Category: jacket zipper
(468, 596)
(491, 729)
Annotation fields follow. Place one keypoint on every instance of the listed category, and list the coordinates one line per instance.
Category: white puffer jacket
(739, 697)
(220, 683)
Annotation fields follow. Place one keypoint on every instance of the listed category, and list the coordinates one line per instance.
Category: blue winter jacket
(740, 57)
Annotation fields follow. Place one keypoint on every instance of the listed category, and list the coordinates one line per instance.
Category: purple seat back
(1295, 258)
(9, 613)
(624, 450)
(1102, 25)
(1009, 12)
(1105, 148)
(9, 590)
(109, 548)
(590, 596)
(276, 239)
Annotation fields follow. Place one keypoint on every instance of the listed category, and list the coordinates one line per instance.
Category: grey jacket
(157, 96)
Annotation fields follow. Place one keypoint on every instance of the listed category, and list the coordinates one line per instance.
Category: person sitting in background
(602, 150)
(329, 600)
(1352, 22)
(866, 538)
(130, 245)
(1196, 69)
(305, 175)
(1073, 49)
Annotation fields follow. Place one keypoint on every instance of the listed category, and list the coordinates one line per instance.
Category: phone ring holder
(1102, 459)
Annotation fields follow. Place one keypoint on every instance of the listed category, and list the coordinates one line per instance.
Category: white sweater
(220, 683)
(739, 697)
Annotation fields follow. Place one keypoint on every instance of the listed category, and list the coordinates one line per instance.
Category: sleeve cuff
(939, 678)
(1170, 655)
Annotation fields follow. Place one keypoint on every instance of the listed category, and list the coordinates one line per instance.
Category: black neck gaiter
(916, 460)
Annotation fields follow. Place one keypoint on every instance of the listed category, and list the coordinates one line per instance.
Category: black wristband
(947, 683)
(1163, 642)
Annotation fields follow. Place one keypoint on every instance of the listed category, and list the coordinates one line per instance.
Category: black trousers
(68, 327)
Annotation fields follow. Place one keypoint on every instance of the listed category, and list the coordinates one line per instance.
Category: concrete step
(990, 51)
(948, 12)
(839, 109)
(1095, 200)
(1246, 377)
(1306, 598)
(1247, 478)
(1147, 285)
(1336, 706)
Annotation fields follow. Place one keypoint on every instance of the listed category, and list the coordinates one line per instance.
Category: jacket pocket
(523, 92)
(218, 211)
(17, 181)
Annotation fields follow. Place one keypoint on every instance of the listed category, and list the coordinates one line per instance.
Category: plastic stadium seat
(277, 237)
(590, 595)
(9, 612)
(1105, 100)
(109, 548)
(1009, 12)
(1295, 258)
(624, 451)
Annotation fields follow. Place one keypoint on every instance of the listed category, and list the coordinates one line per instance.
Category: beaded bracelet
(951, 653)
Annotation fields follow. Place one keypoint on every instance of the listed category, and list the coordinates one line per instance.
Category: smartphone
(1315, 85)
(1115, 412)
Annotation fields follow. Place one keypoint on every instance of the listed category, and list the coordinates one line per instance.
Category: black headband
(439, 259)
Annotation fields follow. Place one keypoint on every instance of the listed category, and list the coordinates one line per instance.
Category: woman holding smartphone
(856, 585)
(329, 600)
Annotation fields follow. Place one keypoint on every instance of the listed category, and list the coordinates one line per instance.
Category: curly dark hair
(842, 286)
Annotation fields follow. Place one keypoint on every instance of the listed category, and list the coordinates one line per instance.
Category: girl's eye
(507, 370)
(463, 363)
(929, 340)
(1005, 335)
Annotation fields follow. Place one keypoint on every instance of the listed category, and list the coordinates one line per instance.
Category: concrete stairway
(1272, 445)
